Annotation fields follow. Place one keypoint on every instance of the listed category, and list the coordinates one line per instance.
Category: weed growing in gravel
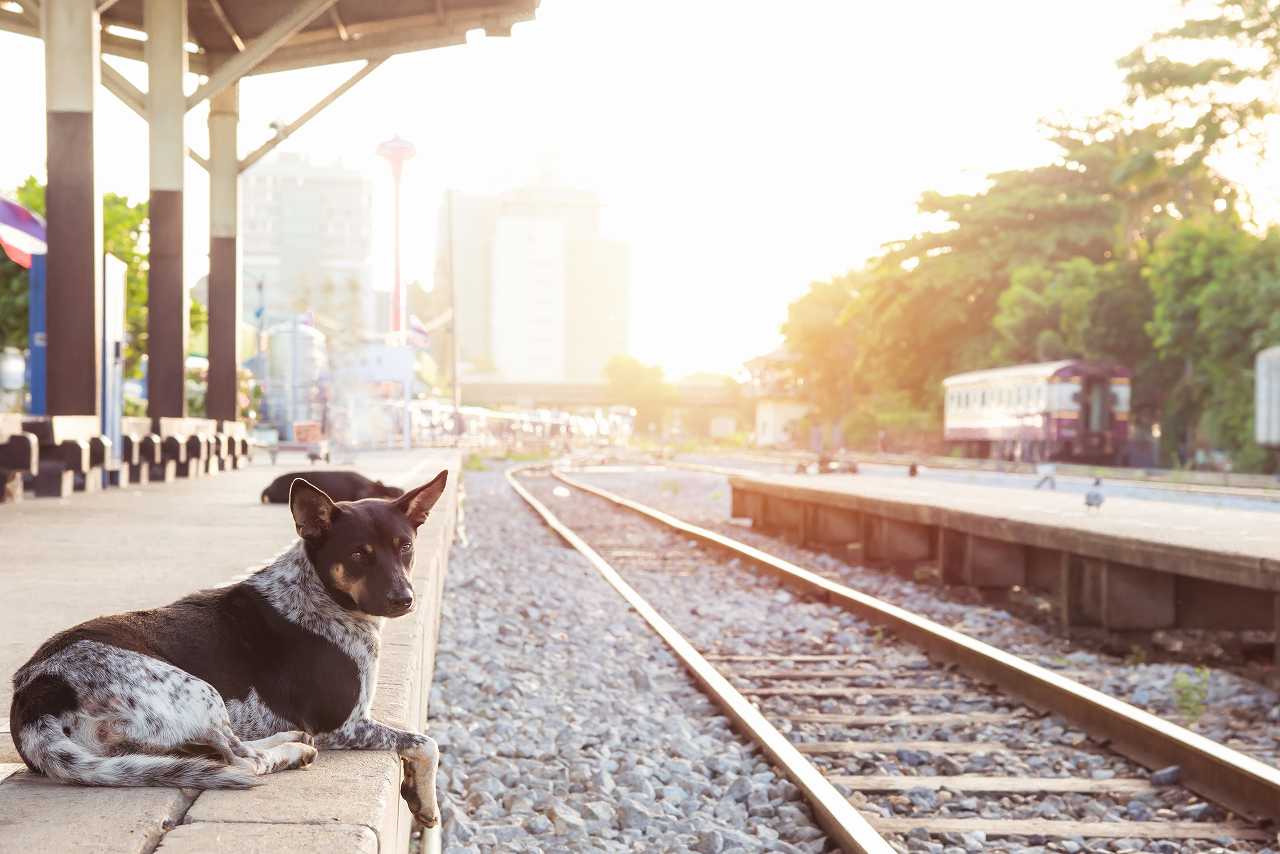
(670, 487)
(474, 462)
(1190, 693)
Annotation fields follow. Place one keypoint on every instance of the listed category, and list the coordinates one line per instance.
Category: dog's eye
(406, 548)
(357, 556)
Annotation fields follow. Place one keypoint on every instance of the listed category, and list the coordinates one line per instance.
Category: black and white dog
(231, 683)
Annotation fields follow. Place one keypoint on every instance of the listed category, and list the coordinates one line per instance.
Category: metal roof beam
(117, 84)
(135, 99)
(221, 15)
(338, 25)
(26, 22)
(289, 129)
(368, 49)
(30, 11)
(259, 49)
(382, 39)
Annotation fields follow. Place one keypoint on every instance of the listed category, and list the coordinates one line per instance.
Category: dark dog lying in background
(338, 485)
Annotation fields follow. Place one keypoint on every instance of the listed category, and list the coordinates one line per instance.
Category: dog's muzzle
(399, 604)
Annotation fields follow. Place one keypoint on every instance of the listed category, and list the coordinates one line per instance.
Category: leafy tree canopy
(123, 225)
(1126, 247)
(633, 383)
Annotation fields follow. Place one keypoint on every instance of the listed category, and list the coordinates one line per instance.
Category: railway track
(963, 747)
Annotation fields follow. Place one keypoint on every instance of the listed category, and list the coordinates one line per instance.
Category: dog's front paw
(418, 795)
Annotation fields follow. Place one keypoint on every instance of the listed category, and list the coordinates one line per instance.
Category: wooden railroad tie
(841, 747)
(940, 719)
(1060, 829)
(982, 783)
(847, 692)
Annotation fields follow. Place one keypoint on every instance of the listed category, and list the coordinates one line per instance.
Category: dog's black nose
(400, 601)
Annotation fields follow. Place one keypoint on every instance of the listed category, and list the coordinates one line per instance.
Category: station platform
(1130, 565)
(67, 560)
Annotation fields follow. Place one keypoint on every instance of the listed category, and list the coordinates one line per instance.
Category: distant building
(306, 238)
(780, 413)
(541, 295)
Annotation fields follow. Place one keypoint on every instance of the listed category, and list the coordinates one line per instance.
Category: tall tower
(397, 151)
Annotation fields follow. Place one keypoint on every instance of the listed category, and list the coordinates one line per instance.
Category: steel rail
(1225, 776)
(844, 825)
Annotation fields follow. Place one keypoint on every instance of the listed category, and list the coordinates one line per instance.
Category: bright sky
(743, 149)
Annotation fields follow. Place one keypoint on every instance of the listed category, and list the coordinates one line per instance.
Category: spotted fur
(225, 685)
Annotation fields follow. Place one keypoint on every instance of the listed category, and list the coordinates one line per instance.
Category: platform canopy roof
(290, 34)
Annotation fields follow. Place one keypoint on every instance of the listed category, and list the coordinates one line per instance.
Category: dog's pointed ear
(312, 509)
(417, 503)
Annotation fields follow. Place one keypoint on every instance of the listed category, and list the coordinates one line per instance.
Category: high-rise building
(541, 294)
(307, 240)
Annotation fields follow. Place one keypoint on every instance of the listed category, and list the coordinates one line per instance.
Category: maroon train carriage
(1070, 410)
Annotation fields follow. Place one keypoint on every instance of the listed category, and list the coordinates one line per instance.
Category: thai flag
(22, 233)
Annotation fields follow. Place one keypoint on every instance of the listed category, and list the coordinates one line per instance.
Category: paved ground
(66, 560)
(1013, 480)
(1236, 532)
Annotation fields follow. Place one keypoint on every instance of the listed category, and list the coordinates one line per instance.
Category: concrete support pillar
(737, 503)
(896, 540)
(1044, 570)
(74, 208)
(224, 258)
(785, 516)
(995, 563)
(953, 546)
(835, 526)
(166, 24)
(1137, 598)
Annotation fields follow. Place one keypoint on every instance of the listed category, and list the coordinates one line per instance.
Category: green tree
(14, 292)
(123, 225)
(1216, 291)
(822, 341)
(1211, 79)
(633, 383)
(1079, 309)
(1042, 263)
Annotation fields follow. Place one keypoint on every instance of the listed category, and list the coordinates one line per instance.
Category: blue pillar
(37, 335)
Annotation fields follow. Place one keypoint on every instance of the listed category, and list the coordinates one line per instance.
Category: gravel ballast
(1214, 702)
(722, 607)
(565, 723)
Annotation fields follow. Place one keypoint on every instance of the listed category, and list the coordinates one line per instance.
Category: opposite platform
(1130, 565)
(66, 560)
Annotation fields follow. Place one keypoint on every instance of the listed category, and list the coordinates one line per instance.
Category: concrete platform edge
(348, 801)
